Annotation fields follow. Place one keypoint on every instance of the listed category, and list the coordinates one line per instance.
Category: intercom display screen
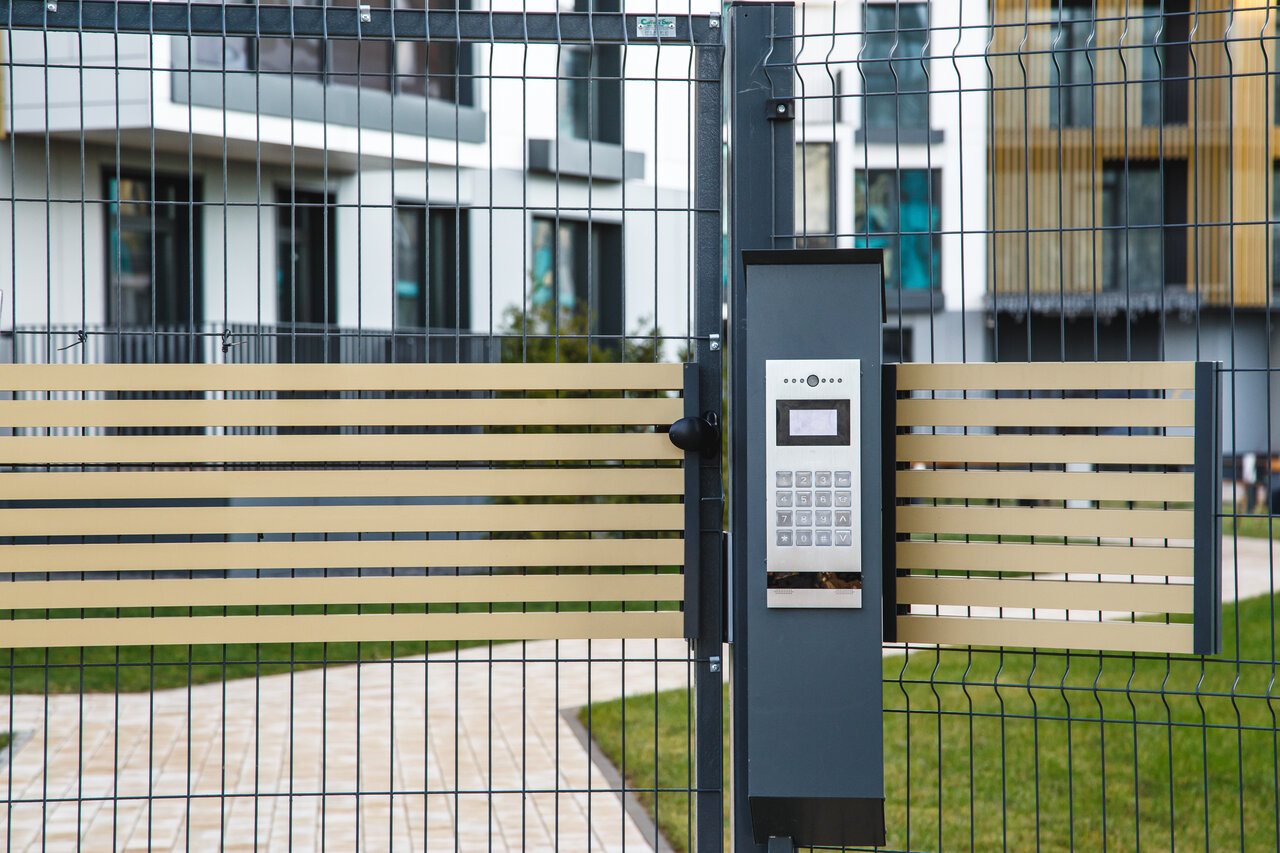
(813, 422)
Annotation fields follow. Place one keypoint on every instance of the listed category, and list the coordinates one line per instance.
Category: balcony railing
(242, 343)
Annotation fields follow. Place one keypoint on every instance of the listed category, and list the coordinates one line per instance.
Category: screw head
(714, 23)
(782, 108)
(51, 6)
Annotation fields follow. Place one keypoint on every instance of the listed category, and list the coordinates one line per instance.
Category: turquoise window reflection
(900, 211)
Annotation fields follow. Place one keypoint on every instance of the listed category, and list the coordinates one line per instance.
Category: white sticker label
(648, 26)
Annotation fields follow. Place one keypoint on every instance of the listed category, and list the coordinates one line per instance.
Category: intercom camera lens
(813, 379)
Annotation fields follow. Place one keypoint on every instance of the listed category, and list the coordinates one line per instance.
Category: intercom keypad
(812, 460)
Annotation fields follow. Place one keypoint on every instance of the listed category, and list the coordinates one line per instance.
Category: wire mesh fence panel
(1062, 181)
(337, 346)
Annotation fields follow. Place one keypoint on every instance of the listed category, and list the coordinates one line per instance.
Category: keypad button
(844, 538)
(844, 498)
(783, 478)
(804, 537)
(822, 518)
(803, 499)
(822, 498)
(822, 537)
(844, 518)
(783, 499)
(804, 479)
(822, 479)
(784, 538)
(804, 518)
(783, 518)
(844, 479)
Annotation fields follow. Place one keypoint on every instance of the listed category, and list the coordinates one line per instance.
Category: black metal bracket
(780, 109)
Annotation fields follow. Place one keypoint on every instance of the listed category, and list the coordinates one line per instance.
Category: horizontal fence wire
(1063, 181)
(216, 185)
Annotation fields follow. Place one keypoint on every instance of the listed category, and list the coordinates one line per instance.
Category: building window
(154, 262)
(1071, 69)
(897, 87)
(1144, 240)
(814, 193)
(432, 276)
(577, 267)
(306, 276)
(591, 85)
(1164, 57)
(437, 69)
(899, 210)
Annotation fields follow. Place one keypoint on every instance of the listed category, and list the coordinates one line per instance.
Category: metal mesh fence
(250, 184)
(1057, 180)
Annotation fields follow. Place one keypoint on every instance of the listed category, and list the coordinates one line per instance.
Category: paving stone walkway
(485, 724)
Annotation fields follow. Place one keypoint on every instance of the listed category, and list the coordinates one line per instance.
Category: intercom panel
(812, 460)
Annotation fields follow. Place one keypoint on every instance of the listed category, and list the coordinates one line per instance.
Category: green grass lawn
(985, 751)
(1259, 527)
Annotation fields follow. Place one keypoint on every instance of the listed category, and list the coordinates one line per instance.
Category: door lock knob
(701, 434)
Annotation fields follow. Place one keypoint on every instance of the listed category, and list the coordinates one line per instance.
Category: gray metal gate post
(761, 178)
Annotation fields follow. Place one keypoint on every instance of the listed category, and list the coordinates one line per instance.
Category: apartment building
(275, 199)
(891, 136)
(1133, 189)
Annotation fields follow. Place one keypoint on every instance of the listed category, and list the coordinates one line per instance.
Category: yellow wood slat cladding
(1046, 182)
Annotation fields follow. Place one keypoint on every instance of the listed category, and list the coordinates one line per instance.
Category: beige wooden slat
(1046, 413)
(1052, 595)
(144, 450)
(1046, 485)
(1019, 449)
(1047, 376)
(596, 411)
(198, 630)
(1022, 557)
(340, 377)
(1153, 637)
(130, 521)
(165, 485)
(230, 592)
(185, 556)
(1046, 521)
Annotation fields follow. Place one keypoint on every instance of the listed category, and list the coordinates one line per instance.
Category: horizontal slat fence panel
(1030, 485)
(348, 554)
(380, 482)
(341, 377)
(329, 413)
(1001, 512)
(546, 488)
(345, 628)
(256, 449)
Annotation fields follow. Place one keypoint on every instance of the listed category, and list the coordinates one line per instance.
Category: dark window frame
(188, 256)
(597, 258)
(441, 267)
(884, 89)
